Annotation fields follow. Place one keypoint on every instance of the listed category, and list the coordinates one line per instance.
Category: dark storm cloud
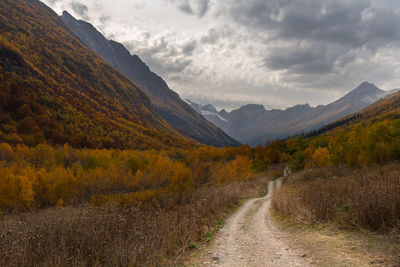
(322, 20)
(80, 9)
(382, 26)
(299, 60)
(317, 36)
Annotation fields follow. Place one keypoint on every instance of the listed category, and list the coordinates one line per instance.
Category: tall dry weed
(368, 197)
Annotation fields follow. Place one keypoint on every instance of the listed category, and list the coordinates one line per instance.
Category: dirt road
(249, 238)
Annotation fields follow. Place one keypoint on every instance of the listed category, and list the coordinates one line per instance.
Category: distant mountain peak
(66, 13)
(210, 108)
(223, 113)
(367, 86)
(299, 107)
(253, 107)
(365, 83)
(364, 89)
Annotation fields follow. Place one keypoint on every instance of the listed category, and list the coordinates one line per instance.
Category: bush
(298, 162)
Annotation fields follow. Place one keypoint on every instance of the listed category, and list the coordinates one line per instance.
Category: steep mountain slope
(53, 88)
(254, 125)
(387, 107)
(167, 103)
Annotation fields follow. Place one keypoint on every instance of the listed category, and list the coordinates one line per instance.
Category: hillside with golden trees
(347, 173)
(54, 89)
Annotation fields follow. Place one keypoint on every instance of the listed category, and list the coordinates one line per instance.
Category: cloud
(193, 7)
(310, 60)
(348, 23)
(202, 7)
(166, 59)
(215, 34)
(80, 9)
(189, 48)
(104, 19)
(186, 8)
(315, 37)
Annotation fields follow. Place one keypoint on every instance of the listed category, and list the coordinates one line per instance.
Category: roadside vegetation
(349, 176)
(67, 206)
(152, 233)
(368, 197)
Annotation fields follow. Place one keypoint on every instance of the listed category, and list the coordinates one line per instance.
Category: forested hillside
(56, 90)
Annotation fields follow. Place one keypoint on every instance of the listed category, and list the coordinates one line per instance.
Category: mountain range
(165, 101)
(253, 124)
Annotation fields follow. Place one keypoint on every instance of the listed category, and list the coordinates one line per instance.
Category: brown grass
(152, 233)
(367, 198)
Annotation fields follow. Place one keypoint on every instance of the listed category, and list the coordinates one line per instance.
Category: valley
(102, 163)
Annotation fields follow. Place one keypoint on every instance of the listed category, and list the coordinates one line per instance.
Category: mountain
(166, 102)
(252, 124)
(54, 89)
(386, 108)
(210, 113)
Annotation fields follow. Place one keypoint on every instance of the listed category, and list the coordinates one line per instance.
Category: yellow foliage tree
(16, 191)
(321, 157)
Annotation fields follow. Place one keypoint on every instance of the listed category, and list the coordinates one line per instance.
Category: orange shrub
(15, 191)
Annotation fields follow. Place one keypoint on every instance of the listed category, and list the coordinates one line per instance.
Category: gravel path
(249, 238)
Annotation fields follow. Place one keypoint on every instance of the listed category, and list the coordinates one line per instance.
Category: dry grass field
(367, 197)
(157, 232)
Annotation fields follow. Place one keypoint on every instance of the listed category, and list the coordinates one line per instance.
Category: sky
(277, 53)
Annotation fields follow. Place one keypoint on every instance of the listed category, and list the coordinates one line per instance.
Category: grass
(154, 233)
(217, 226)
(366, 198)
(343, 216)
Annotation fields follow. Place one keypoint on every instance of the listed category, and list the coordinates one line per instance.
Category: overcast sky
(277, 52)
